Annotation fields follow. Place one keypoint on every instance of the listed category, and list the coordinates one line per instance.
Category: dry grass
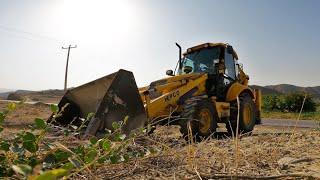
(262, 154)
(259, 156)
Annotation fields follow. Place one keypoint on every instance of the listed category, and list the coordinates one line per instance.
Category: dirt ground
(26, 113)
(22, 116)
(269, 152)
(43, 98)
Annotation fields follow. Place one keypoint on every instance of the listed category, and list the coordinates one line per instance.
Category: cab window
(230, 70)
(202, 60)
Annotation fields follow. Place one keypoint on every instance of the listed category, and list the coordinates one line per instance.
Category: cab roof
(206, 45)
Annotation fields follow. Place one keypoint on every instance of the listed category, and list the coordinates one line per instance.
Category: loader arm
(174, 94)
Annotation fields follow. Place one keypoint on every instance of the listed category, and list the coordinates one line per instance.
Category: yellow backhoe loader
(207, 87)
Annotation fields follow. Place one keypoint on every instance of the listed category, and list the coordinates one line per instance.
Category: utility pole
(66, 74)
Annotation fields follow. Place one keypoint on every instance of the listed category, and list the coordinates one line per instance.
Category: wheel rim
(205, 121)
(247, 111)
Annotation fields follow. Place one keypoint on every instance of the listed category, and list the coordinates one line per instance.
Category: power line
(18, 31)
(66, 73)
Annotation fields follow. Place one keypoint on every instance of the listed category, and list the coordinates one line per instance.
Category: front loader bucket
(111, 98)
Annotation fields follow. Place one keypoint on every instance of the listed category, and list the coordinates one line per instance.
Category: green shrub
(289, 102)
(270, 102)
(294, 102)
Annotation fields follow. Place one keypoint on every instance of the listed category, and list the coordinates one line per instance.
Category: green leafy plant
(30, 154)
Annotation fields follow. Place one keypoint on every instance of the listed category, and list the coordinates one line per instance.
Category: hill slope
(49, 96)
(288, 88)
(54, 95)
(265, 90)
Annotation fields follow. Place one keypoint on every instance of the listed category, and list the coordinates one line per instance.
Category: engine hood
(176, 78)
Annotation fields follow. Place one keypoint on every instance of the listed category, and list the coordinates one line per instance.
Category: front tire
(198, 119)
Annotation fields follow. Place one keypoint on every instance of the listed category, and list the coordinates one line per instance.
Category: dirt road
(27, 102)
(290, 123)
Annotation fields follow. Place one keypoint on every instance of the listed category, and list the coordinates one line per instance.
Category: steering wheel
(187, 69)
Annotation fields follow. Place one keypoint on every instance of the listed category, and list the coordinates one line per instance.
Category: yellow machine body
(116, 96)
(170, 90)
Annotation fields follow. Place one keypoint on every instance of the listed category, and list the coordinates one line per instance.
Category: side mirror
(169, 72)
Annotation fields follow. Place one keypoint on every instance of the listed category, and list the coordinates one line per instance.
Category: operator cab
(211, 58)
(218, 60)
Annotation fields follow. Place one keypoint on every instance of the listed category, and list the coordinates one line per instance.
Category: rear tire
(247, 117)
(198, 118)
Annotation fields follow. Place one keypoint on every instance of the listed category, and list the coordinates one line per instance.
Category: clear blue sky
(276, 40)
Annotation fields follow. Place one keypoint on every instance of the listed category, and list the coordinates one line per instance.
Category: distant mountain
(265, 90)
(24, 91)
(288, 88)
(54, 95)
(51, 96)
(5, 92)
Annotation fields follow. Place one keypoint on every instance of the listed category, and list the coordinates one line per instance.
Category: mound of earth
(15, 97)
